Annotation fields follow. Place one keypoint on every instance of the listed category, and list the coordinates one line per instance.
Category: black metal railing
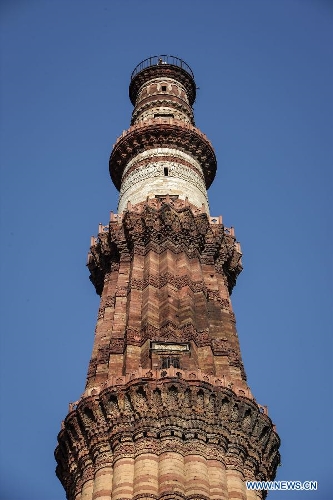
(159, 60)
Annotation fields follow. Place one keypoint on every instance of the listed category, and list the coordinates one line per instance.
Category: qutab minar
(167, 413)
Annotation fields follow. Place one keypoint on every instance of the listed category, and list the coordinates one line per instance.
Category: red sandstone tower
(166, 413)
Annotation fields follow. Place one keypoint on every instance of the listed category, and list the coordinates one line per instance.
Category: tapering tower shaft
(166, 413)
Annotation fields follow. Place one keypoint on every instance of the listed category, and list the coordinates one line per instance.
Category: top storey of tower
(162, 152)
(162, 66)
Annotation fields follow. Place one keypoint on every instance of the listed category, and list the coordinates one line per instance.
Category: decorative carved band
(159, 133)
(146, 416)
(162, 279)
(156, 225)
(169, 332)
(163, 154)
(158, 374)
(180, 106)
(160, 160)
(151, 175)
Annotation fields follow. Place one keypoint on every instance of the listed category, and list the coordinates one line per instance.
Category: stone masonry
(166, 413)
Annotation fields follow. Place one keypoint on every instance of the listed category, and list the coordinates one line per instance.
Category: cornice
(162, 133)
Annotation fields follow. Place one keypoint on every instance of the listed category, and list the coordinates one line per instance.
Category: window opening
(163, 88)
(170, 361)
(166, 171)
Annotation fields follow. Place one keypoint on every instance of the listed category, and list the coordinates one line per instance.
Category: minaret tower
(166, 413)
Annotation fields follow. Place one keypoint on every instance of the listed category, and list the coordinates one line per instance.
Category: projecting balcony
(162, 60)
(162, 133)
(162, 66)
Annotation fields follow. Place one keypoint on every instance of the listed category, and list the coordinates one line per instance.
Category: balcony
(160, 60)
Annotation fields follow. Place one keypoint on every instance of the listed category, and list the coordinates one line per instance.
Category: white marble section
(156, 153)
(161, 177)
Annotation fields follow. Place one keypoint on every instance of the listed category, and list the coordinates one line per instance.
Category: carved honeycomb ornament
(158, 225)
(185, 417)
(166, 413)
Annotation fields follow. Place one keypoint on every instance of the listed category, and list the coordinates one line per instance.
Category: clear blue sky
(264, 69)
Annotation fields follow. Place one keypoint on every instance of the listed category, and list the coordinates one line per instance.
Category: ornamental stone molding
(164, 155)
(185, 417)
(157, 225)
(167, 106)
(162, 133)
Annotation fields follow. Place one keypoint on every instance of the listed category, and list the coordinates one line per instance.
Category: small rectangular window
(163, 88)
(166, 171)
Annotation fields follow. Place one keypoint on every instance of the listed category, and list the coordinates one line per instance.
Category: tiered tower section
(166, 413)
(162, 152)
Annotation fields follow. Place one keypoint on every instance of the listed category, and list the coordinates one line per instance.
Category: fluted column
(217, 480)
(236, 485)
(196, 475)
(171, 473)
(123, 476)
(103, 484)
(146, 474)
(87, 490)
